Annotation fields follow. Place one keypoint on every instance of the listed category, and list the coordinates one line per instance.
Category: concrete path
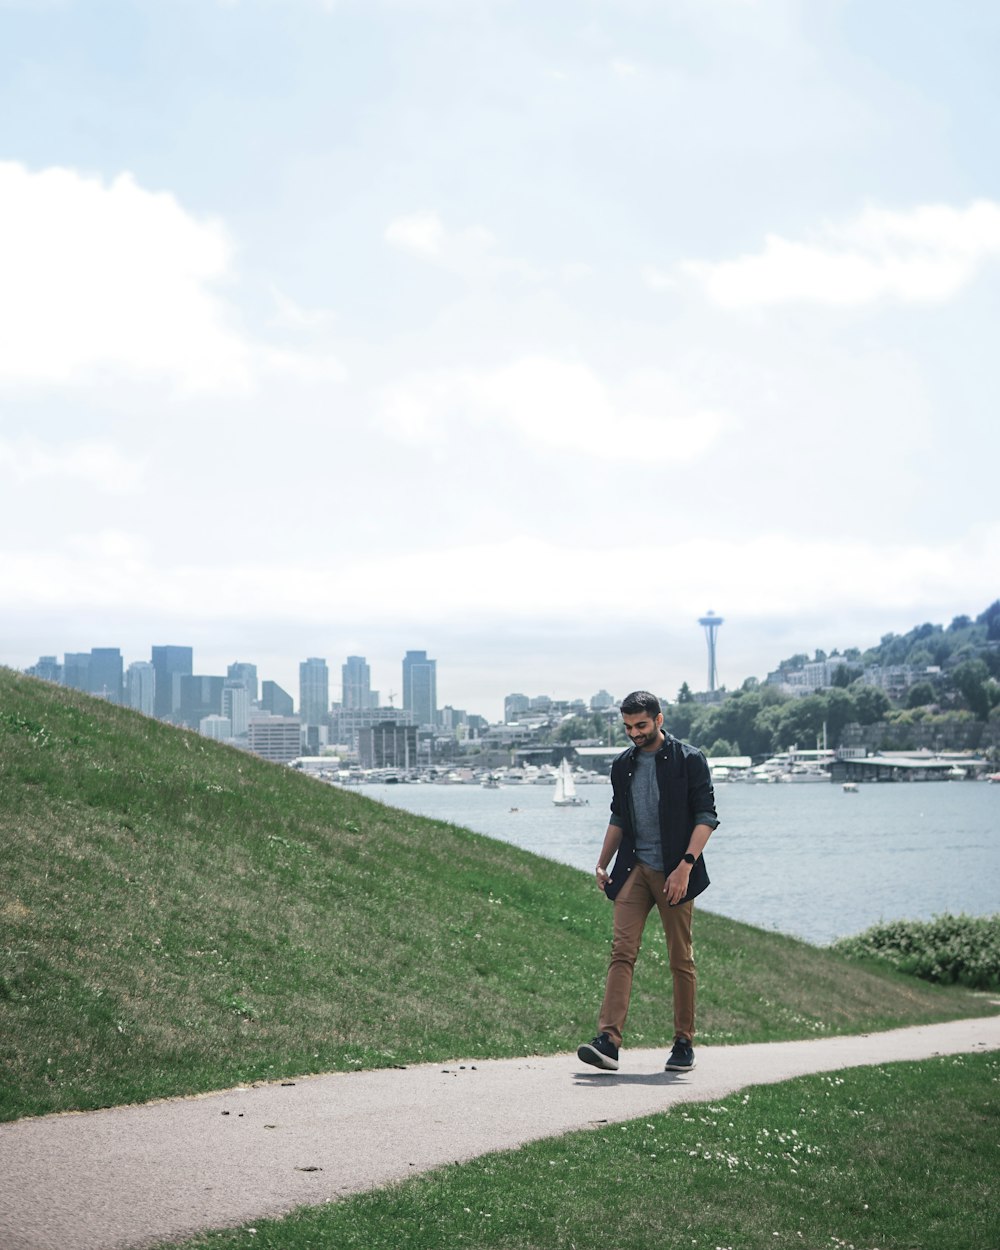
(134, 1176)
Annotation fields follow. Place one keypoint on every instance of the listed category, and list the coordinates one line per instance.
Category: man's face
(643, 729)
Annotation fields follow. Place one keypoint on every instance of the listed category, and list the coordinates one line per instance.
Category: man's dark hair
(640, 701)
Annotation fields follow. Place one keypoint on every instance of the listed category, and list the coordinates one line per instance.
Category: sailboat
(565, 795)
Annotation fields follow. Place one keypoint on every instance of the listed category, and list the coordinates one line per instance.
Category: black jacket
(686, 799)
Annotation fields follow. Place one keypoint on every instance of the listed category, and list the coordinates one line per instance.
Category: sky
(521, 333)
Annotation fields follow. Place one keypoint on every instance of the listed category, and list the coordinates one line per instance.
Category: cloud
(101, 465)
(111, 573)
(658, 280)
(110, 280)
(557, 405)
(470, 252)
(924, 256)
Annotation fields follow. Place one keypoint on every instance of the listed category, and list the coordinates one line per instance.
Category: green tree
(920, 694)
(575, 728)
(871, 703)
(721, 749)
(684, 695)
(970, 680)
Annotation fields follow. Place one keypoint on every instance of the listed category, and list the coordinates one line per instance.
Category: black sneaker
(601, 1052)
(681, 1057)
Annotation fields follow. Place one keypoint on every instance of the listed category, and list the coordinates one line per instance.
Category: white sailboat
(565, 795)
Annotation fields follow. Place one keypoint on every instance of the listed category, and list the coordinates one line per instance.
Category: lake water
(808, 860)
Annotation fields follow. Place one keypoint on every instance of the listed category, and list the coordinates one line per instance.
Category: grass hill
(177, 916)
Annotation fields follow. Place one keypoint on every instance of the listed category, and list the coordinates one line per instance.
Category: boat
(798, 773)
(565, 795)
(850, 787)
(490, 782)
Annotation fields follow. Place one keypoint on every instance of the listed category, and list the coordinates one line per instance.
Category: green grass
(177, 916)
(900, 1157)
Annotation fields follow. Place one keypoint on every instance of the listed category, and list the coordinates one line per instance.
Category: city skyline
(518, 333)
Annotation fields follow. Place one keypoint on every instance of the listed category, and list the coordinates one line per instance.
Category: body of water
(808, 860)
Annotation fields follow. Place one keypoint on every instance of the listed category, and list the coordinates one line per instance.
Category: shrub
(962, 950)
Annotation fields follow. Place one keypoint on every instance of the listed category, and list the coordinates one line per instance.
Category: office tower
(106, 673)
(314, 692)
(218, 727)
(515, 705)
(388, 745)
(76, 670)
(276, 701)
(171, 664)
(420, 687)
(277, 738)
(199, 696)
(711, 623)
(236, 705)
(140, 687)
(247, 674)
(48, 668)
(601, 701)
(356, 680)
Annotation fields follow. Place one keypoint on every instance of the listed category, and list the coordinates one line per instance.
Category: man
(662, 815)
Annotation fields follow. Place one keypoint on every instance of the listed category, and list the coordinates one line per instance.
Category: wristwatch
(688, 858)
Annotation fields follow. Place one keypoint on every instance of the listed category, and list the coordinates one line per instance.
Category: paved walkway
(134, 1176)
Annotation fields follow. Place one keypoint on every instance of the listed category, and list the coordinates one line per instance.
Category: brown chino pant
(642, 891)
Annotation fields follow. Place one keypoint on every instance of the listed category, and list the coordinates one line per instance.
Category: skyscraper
(247, 674)
(171, 664)
(48, 668)
(76, 670)
(106, 673)
(314, 692)
(420, 687)
(274, 700)
(236, 705)
(141, 687)
(356, 680)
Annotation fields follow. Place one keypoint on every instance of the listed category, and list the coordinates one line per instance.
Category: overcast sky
(519, 331)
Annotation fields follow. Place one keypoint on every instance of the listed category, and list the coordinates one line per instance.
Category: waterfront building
(218, 727)
(236, 705)
(314, 692)
(347, 723)
(420, 687)
(274, 700)
(106, 673)
(246, 674)
(140, 687)
(388, 745)
(356, 684)
(276, 738)
(171, 664)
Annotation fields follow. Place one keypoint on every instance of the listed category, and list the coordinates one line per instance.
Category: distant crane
(711, 622)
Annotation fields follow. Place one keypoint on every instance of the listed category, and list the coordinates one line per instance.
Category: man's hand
(602, 877)
(676, 885)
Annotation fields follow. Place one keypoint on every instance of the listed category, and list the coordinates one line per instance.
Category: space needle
(711, 622)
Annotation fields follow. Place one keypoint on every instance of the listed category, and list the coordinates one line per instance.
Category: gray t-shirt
(646, 811)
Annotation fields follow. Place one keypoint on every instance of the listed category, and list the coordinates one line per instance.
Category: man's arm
(612, 840)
